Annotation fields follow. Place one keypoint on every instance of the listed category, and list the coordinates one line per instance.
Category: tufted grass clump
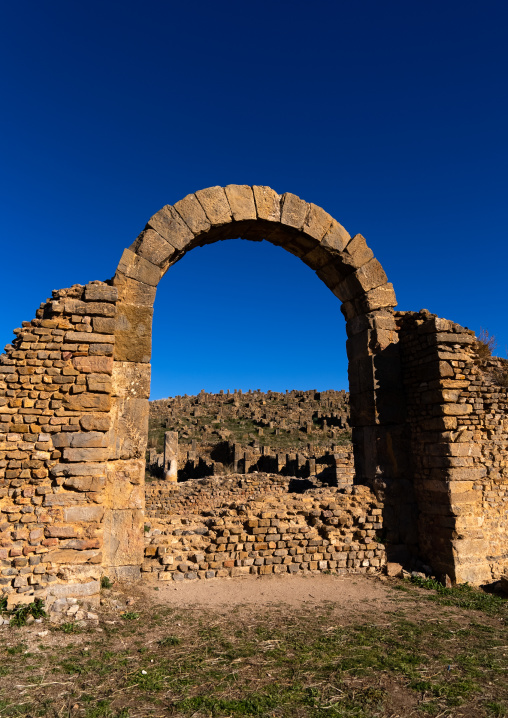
(463, 596)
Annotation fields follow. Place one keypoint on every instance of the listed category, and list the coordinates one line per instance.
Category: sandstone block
(138, 268)
(294, 210)
(125, 485)
(123, 537)
(100, 293)
(86, 514)
(104, 325)
(86, 439)
(241, 202)
(131, 379)
(91, 454)
(87, 469)
(267, 203)
(192, 214)
(336, 238)
(357, 253)
(95, 422)
(73, 556)
(129, 428)
(215, 205)
(133, 291)
(85, 483)
(99, 383)
(93, 364)
(133, 333)
(87, 402)
(60, 531)
(88, 338)
(77, 590)
(317, 223)
(169, 225)
(151, 246)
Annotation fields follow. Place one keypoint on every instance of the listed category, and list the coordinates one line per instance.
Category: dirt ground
(354, 594)
(352, 646)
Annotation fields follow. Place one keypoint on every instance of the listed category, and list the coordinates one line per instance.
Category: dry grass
(417, 659)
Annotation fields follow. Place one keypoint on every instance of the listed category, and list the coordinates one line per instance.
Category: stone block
(138, 268)
(88, 338)
(87, 402)
(132, 291)
(241, 201)
(317, 223)
(100, 293)
(133, 333)
(131, 379)
(90, 454)
(125, 487)
(127, 574)
(369, 276)
(86, 439)
(85, 483)
(95, 422)
(71, 556)
(123, 537)
(378, 298)
(74, 590)
(87, 514)
(151, 246)
(336, 238)
(267, 203)
(169, 225)
(99, 383)
(129, 430)
(192, 214)
(357, 253)
(214, 202)
(93, 364)
(294, 210)
(87, 469)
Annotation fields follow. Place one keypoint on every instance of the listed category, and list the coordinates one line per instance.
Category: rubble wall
(458, 415)
(259, 524)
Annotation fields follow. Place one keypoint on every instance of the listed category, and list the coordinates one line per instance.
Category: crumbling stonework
(259, 524)
(429, 417)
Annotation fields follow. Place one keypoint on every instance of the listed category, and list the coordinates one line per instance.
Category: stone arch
(344, 263)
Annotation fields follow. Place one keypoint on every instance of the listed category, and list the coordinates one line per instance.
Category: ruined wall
(259, 524)
(57, 488)
(457, 411)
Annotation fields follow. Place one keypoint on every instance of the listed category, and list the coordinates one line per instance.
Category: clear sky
(392, 116)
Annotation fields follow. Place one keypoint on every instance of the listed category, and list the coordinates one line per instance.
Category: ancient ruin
(428, 413)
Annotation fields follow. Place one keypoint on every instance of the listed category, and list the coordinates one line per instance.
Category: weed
(69, 627)
(170, 641)
(20, 613)
(106, 582)
(131, 615)
(14, 650)
(485, 344)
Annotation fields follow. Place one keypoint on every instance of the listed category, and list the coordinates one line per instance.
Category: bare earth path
(353, 594)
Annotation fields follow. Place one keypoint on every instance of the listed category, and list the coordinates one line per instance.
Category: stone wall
(259, 524)
(57, 488)
(458, 417)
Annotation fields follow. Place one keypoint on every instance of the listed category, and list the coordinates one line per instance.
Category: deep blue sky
(392, 116)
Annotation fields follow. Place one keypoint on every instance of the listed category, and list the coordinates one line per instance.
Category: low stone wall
(259, 524)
